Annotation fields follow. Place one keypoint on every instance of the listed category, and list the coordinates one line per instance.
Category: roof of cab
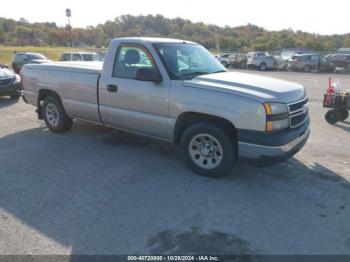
(153, 40)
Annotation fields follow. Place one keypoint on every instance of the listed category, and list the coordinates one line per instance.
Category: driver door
(131, 104)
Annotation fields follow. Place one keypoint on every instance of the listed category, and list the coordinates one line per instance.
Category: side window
(129, 59)
(314, 58)
(77, 57)
(66, 57)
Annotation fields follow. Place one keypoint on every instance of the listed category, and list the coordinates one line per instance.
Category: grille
(5, 81)
(298, 112)
(298, 105)
(298, 119)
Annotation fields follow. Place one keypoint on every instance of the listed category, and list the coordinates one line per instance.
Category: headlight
(17, 79)
(277, 116)
(275, 108)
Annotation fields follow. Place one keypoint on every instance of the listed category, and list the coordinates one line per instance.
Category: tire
(15, 96)
(332, 116)
(262, 67)
(55, 116)
(344, 114)
(202, 142)
(307, 69)
(224, 63)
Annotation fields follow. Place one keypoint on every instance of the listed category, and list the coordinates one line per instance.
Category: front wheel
(332, 116)
(209, 150)
(55, 116)
(262, 67)
(15, 96)
(307, 69)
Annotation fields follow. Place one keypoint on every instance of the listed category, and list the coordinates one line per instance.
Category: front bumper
(10, 89)
(269, 149)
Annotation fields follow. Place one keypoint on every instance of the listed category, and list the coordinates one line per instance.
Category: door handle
(112, 88)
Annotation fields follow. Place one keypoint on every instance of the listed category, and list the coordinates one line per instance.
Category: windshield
(185, 61)
(36, 56)
(91, 57)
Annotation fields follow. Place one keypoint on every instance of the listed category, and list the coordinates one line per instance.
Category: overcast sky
(315, 16)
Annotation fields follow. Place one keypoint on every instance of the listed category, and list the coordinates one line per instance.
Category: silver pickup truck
(175, 91)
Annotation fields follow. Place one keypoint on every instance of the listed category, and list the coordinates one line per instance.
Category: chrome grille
(298, 112)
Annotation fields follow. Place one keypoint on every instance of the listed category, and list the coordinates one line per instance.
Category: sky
(314, 16)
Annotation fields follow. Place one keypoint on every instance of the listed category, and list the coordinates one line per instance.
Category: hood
(6, 73)
(256, 87)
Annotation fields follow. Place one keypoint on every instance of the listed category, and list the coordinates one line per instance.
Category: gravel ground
(98, 191)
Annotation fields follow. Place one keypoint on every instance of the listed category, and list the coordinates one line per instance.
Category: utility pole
(69, 14)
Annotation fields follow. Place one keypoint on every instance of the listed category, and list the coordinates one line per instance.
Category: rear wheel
(208, 149)
(333, 116)
(55, 116)
(344, 114)
(224, 63)
(307, 69)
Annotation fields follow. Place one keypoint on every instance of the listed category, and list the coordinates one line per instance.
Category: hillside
(247, 37)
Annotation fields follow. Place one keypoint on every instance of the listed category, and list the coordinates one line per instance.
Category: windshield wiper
(196, 73)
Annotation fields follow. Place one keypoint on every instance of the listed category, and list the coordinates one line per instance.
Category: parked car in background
(260, 60)
(341, 62)
(282, 60)
(226, 59)
(81, 56)
(9, 83)
(177, 91)
(239, 60)
(21, 58)
(310, 62)
(102, 55)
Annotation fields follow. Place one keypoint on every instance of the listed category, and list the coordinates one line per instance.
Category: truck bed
(75, 82)
(77, 67)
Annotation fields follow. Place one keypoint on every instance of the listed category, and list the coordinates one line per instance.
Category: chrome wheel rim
(205, 151)
(52, 116)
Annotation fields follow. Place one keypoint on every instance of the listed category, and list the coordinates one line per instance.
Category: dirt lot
(98, 191)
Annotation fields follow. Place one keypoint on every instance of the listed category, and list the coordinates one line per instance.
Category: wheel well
(189, 118)
(43, 93)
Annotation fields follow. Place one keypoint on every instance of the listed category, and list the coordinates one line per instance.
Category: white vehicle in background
(81, 56)
(226, 59)
(260, 60)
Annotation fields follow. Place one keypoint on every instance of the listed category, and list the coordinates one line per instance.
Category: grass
(53, 53)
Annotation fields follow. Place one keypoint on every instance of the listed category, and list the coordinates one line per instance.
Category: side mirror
(148, 74)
